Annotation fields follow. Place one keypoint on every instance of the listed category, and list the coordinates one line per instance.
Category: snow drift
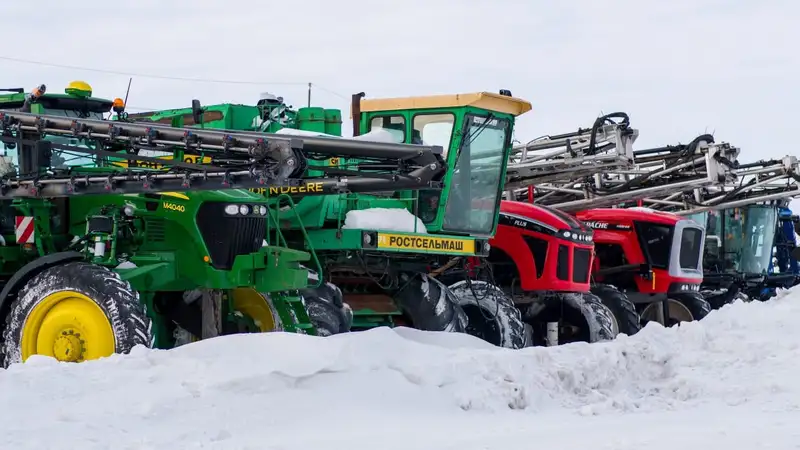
(278, 390)
(384, 219)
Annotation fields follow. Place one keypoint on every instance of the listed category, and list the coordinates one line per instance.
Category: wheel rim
(68, 326)
(677, 312)
(255, 306)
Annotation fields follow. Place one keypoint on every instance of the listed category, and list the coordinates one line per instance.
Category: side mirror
(197, 112)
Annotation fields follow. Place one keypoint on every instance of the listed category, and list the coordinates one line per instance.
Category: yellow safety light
(79, 89)
(119, 105)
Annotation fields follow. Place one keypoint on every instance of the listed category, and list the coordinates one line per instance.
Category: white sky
(678, 67)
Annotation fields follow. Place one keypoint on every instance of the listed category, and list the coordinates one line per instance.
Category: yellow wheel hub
(255, 306)
(69, 327)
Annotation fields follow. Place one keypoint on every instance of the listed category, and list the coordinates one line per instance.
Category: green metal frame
(177, 261)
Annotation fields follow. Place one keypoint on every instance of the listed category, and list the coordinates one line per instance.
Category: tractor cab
(741, 250)
(76, 101)
(740, 240)
(646, 252)
(475, 132)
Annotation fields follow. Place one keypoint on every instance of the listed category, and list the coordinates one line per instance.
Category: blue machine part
(785, 242)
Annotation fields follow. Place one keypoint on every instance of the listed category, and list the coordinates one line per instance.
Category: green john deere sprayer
(397, 256)
(105, 246)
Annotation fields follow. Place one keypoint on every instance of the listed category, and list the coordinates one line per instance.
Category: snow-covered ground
(729, 382)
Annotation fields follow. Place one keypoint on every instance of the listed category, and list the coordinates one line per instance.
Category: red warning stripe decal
(24, 229)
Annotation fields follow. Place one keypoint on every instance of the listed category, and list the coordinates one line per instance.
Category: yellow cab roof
(485, 100)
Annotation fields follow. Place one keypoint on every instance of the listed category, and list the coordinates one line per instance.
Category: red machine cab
(651, 255)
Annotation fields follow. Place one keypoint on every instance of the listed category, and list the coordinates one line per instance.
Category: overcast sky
(678, 67)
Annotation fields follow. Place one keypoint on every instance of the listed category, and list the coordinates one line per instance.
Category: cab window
(433, 129)
(396, 125)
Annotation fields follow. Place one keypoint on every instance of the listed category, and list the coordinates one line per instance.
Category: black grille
(539, 249)
(580, 265)
(562, 263)
(229, 236)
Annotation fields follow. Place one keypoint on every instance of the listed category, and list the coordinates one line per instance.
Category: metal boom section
(237, 159)
(606, 145)
(760, 181)
(666, 173)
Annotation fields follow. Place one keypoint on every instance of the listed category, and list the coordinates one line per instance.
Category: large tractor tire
(628, 320)
(327, 311)
(430, 305)
(581, 316)
(75, 312)
(491, 314)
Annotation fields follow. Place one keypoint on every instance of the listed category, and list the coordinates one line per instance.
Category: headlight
(567, 234)
(263, 210)
(232, 210)
(244, 210)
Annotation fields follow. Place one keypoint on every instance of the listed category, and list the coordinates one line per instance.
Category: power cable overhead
(166, 77)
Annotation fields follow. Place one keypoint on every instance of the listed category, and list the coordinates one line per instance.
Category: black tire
(596, 319)
(430, 305)
(115, 297)
(326, 309)
(491, 314)
(628, 320)
(694, 302)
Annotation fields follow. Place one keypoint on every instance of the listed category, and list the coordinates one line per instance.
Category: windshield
(749, 236)
(474, 193)
(656, 241)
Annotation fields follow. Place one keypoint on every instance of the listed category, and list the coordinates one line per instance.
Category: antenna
(128, 91)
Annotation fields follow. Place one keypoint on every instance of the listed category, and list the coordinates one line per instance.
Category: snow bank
(643, 209)
(293, 391)
(389, 219)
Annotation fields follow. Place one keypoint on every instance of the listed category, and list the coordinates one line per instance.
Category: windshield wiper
(474, 135)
